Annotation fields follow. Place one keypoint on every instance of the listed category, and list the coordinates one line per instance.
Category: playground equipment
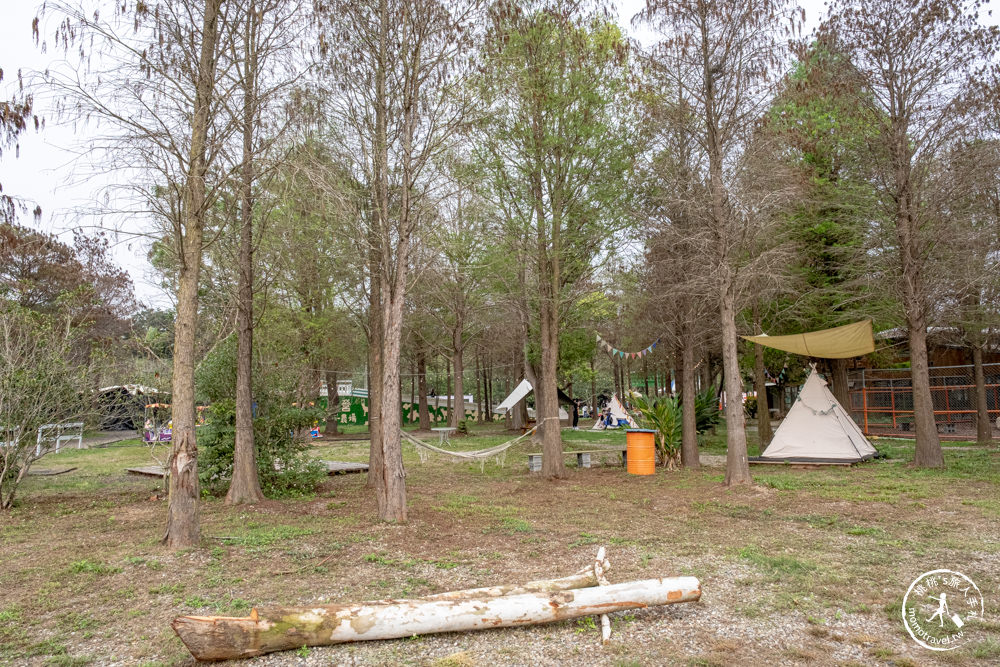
(158, 424)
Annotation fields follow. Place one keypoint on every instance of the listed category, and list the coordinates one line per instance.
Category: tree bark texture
(984, 428)
(423, 412)
(760, 386)
(244, 488)
(839, 383)
(183, 524)
(737, 465)
(458, 366)
(689, 418)
(547, 397)
(332, 403)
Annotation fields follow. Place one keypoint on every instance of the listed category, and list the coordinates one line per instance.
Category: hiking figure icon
(942, 610)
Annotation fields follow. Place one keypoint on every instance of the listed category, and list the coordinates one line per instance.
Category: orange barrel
(640, 449)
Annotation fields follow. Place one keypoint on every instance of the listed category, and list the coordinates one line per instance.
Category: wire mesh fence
(882, 400)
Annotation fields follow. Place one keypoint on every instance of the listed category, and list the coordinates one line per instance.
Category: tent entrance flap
(850, 340)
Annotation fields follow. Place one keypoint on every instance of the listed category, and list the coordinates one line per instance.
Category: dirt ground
(805, 567)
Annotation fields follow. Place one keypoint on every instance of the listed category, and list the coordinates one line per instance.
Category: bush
(283, 465)
(663, 415)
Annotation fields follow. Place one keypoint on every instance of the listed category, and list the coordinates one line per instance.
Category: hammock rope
(481, 455)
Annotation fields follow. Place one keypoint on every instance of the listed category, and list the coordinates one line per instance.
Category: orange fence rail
(881, 400)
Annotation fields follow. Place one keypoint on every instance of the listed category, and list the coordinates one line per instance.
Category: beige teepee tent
(817, 430)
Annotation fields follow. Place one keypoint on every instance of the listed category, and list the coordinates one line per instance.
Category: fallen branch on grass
(283, 628)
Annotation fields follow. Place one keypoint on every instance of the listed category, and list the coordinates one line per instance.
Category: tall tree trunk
(448, 392)
(424, 413)
(488, 387)
(928, 452)
(183, 523)
(760, 387)
(839, 384)
(480, 390)
(458, 362)
(244, 488)
(737, 465)
(593, 390)
(689, 417)
(391, 492)
(546, 394)
(332, 403)
(376, 342)
(984, 429)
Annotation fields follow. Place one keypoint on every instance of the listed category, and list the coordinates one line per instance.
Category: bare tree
(151, 79)
(558, 146)
(395, 69)
(265, 34)
(931, 69)
(724, 57)
(39, 385)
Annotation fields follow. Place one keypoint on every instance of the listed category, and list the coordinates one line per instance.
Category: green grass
(775, 564)
(92, 567)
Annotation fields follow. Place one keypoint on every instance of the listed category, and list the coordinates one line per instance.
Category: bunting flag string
(615, 352)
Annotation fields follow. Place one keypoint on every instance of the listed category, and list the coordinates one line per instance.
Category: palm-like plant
(662, 415)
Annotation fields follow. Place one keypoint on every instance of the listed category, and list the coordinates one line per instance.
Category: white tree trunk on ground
(283, 628)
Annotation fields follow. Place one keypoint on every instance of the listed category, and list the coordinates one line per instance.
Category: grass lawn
(807, 566)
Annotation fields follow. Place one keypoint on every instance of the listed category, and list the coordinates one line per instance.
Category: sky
(45, 171)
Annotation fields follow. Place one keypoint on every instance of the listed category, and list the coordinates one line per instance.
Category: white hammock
(480, 455)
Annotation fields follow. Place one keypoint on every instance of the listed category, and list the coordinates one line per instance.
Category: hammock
(480, 455)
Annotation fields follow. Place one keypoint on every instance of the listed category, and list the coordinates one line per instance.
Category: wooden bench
(582, 458)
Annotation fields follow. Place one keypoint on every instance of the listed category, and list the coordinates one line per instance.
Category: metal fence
(882, 400)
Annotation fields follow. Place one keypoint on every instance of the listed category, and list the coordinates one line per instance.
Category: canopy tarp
(522, 390)
(850, 340)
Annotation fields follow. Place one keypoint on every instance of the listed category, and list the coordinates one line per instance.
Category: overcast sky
(45, 173)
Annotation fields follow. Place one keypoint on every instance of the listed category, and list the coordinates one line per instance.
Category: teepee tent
(817, 430)
(617, 413)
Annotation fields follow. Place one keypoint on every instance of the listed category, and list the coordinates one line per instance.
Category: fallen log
(283, 628)
(584, 578)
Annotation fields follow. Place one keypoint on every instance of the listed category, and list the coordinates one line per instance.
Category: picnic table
(445, 432)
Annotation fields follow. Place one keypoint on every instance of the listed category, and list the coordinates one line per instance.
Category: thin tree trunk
(391, 492)
(332, 403)
(928, 452)
(546, 395)
(480, 390)
(984, 429)
(737, 465)
(458, 362)
(689, 417)
(376, 341)
(424, 413)
(244, 488)
(183, 523)
(593, 390)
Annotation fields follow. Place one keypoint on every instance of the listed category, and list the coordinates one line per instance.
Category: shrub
(663, 415)
(283, 465)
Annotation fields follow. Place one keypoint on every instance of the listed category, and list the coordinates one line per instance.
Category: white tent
(817, 430)
(617, 412)
(520, 391)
